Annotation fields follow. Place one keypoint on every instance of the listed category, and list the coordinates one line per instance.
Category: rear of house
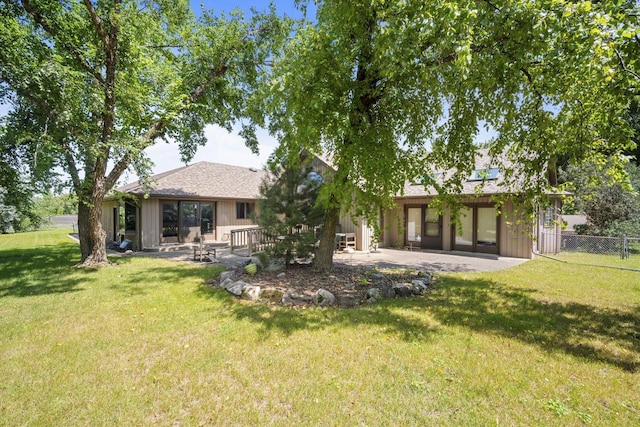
(200, 201)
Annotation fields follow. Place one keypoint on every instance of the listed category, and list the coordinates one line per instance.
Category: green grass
(633, 262)
(146, 342)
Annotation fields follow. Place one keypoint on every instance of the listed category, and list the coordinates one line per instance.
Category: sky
(222, 146)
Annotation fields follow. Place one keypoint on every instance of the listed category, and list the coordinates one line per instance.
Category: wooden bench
(203, 250)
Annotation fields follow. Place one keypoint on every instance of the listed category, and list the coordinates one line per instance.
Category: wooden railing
(254, 239)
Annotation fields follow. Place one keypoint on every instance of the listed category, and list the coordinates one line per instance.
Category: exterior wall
(549, 234)
(149, 223)
(226, 219)
(514, 234)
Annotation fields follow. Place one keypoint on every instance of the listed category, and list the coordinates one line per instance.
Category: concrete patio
(436, 261)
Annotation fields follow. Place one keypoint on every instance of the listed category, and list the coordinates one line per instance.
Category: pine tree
(288, 209)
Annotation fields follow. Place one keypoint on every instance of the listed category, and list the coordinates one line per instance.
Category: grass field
(146, 342)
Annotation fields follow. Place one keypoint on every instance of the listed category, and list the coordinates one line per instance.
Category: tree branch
(624, 66)
(40, 20)
(97, 22)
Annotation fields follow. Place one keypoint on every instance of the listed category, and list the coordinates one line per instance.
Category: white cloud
(222, 147)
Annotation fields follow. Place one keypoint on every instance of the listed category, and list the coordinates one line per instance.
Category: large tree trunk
(92, 237)
(323, 262)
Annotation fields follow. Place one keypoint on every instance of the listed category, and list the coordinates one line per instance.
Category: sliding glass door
(478, 230)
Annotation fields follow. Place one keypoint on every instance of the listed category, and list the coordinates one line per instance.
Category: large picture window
(244, 210)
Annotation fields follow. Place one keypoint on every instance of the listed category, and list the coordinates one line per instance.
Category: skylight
(485, 174)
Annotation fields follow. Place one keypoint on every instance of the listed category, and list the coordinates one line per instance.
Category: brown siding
(150, 223)
(515, 233)
(226, 219)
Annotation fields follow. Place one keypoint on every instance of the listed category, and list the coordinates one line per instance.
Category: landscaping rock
(291, 298)
(250, 292)
(226, 283)
(281, 275)
(324, 297)
(228, 274)
(347, 300)
(377, 276)
(402, 290)
(372, 295)
(418, 287)
(271, 295)
(387, 291)
(236, 288)
(425, 276)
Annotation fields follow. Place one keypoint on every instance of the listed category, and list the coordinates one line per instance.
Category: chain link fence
(620, 251)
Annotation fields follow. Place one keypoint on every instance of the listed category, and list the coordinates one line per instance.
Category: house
(208, 200)
(202, 200)
(416, 224)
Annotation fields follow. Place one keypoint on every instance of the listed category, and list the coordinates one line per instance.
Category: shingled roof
(470, 187)
(203, 180)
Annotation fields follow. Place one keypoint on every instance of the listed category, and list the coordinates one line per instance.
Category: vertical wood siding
(150, 223)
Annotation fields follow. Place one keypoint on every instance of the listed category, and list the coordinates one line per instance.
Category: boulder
(228, 274)
(292, 298)
(250, 292)
(372, 295)
(271, 295)
(324, 297)
(425, 276)
(236, 288)
(226, 283)
(418, 287)
(402, 290)
(347, 300)
(387, 291)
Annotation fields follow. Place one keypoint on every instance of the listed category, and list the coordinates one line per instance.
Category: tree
(612, 208)
(393, 91)
(93, 84)
(287, 208)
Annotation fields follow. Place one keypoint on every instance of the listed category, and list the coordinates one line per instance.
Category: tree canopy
(94, 83)
(396, 90)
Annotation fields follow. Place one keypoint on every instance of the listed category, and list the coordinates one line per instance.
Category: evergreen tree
(288, 209)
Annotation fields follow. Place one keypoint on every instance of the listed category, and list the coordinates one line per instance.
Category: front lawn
(146, 342)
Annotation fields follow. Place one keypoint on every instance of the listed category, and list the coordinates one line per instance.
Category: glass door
(432, 238)
(414, 227)
(478, 230)
(189, 221)
(486, 238)
(208, 220)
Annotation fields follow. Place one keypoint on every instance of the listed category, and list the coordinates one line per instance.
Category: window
(169, 219)
(429, 179)
(129, 217)
(244, 210)
(207, 217)
(484, 174)
(549, 218)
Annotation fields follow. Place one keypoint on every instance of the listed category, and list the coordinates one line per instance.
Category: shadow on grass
(39, 271)
(288, 320)
(150, 272)
(605, 335)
